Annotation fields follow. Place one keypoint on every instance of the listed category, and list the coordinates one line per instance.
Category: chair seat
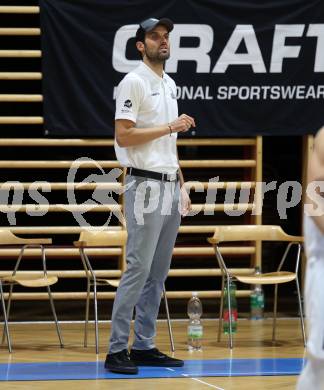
(110, 282)
(268, 278)
(32, 281)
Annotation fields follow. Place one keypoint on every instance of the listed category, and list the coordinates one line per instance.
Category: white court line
(198, 380)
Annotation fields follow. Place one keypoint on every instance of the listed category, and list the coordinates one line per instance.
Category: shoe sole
(121, 371)
(155, 364)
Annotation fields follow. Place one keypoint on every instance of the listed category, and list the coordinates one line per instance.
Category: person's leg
(143, 235)
(148, 305)
(312, 376)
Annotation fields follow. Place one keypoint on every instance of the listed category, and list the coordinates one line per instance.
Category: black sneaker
(153, 357)
(120, 362)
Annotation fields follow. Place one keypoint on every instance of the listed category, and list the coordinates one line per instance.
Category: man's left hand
(185, 202)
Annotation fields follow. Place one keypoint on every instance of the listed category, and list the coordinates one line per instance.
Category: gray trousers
(153, 219)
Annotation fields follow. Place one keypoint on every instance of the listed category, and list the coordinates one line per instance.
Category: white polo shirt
(148, 100)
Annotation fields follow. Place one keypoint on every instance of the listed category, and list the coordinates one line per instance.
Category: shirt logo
(128, 103)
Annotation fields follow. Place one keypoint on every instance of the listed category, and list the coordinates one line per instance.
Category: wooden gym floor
(39, 343)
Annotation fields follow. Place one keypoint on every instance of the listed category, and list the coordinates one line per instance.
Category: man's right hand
(182, 123)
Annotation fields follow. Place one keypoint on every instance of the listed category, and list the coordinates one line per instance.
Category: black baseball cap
(148, 25)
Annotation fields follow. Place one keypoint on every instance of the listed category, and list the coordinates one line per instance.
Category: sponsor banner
(241, 68)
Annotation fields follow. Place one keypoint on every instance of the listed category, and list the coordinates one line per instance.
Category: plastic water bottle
(226, 325)
(195, 328)
(257, 300)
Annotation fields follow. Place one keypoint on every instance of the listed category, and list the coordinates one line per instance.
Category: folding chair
(104, 239)
(257, 233)
(8, 239)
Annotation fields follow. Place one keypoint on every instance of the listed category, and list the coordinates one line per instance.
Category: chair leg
(96, 316)
(168, 318)
(8, 311)
(301, 313)
(220, 321)
(88, 269)
(11, 287)
(58, 330)
(5, 320)
(274, 323)
(229, 313)
(86, 320)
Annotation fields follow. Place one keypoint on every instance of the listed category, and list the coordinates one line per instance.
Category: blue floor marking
(192, 368)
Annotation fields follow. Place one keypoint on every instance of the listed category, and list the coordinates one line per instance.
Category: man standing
(146, 127)
(312, 376)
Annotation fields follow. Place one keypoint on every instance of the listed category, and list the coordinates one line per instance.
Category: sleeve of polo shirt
(128, 98)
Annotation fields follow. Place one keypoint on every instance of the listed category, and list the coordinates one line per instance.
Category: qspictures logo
(152, 196)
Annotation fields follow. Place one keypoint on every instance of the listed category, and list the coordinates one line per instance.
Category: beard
(157, 56)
